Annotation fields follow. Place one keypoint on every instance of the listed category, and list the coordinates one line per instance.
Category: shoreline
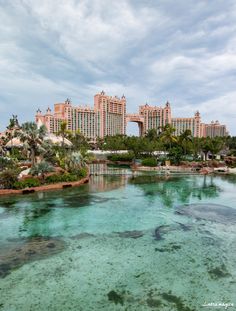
(190, 170)
(43, 188)
(164, 169)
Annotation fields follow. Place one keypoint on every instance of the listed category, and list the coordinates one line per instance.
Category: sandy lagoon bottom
(119, 243)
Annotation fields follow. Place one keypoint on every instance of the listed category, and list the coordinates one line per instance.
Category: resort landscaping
(161, 150)
(32, 160)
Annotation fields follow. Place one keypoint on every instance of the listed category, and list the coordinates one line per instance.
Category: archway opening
(135, 129)
(132, 129)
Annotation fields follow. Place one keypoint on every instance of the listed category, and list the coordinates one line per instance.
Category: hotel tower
(108, 117)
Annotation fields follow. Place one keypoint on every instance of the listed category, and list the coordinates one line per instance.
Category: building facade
(213, 129)
(111, 113)
(155, 117)
(108, 117)
(193, 124)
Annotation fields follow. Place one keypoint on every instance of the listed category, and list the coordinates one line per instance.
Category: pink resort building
(193, 124)
(213, 129)
(108, 117)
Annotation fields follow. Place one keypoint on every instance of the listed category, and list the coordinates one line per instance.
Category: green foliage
(114, 143)
(8, 178)
(217, 144)
(32, 137)
(49, 152)
(55, 178)
(74, 161)
(27, 183)
(231, 142)
(121, 156)
(63, 133)
(17, 154)
(149, 162)
(6, 163)
(185, 141)
(167, 136)
(41, 168)
(152, 134)
(136, 145)
(78, 140)
(232, 152)
(176, 155)
(66, 177)
(83, 172)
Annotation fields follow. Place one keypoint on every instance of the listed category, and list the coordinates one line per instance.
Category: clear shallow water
(119, 243)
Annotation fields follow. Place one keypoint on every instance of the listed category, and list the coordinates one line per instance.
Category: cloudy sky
(183, 51)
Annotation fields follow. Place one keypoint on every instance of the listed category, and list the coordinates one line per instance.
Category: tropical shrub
(53, 178)
(149, 162)
(176, 155)
(121, 156)
(67, 177)
(27, 183)
(17, 154)
(41, 169)
(6, 163)
(50, 152)
(8, 178)
(83, 172)
(75, 161)
(32, 137)
(56, 178)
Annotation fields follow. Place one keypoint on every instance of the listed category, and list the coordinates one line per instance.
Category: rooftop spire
(67, 101)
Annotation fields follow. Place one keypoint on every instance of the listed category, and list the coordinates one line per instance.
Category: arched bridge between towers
(137, 118)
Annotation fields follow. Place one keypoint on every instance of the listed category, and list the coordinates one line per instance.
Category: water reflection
(103, 169)
(100, 184)
(52, 213)
(148, 256)
(231, 178)
(181, 189)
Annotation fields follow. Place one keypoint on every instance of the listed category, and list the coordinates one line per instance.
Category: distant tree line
(176, 148)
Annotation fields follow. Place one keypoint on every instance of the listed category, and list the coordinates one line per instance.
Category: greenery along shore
(160, 145)
(36, 159)
(30, 159)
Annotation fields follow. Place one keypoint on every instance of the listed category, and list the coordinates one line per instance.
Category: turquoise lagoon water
(121, 243)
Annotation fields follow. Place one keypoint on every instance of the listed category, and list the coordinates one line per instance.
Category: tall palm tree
(217, 145)
(78, 140)
(12, 128)
(185, 138)
(196, 146)
(167, 135)
(32, 136)
(62, 132)
(152, 134)
(206, 146)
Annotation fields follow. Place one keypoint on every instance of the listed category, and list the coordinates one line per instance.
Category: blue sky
(183, 51)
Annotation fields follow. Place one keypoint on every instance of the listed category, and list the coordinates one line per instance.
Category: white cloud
(93, 30)
(151, 51)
